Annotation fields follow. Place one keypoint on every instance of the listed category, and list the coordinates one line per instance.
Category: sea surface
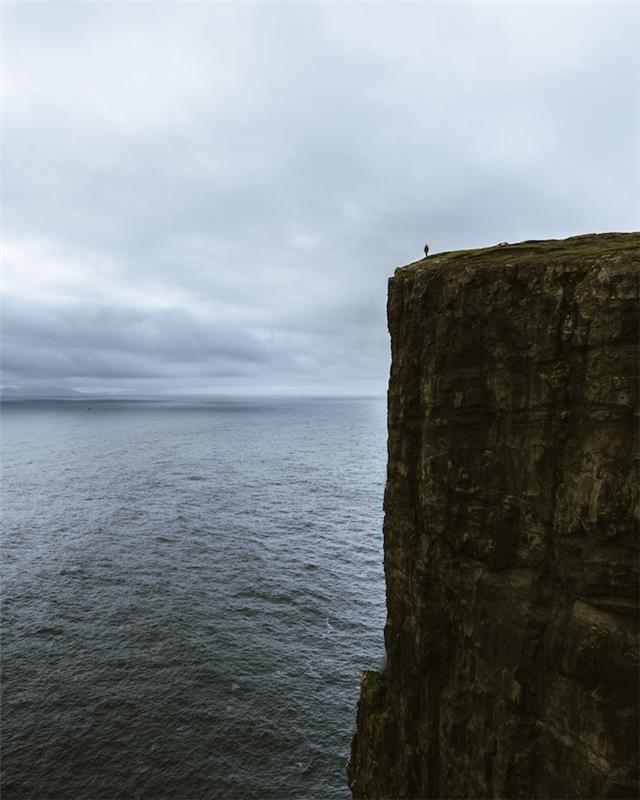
(190, 591)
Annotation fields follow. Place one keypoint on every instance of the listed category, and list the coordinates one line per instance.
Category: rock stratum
(510, 533)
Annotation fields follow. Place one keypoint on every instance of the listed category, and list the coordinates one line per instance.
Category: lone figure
(426, 250)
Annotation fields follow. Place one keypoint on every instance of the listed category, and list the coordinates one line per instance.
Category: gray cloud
(167, 338)
(213, 196)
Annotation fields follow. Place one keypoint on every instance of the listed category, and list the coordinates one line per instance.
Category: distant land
(62, 393)
(49, 393)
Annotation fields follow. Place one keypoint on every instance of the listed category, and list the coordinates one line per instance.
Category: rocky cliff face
(510, 529)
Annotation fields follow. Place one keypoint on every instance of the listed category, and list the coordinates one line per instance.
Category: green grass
(589, 245)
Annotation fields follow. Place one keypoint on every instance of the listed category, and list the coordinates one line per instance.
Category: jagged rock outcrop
(510, 529)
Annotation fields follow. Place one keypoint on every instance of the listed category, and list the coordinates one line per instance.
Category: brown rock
(510, 529)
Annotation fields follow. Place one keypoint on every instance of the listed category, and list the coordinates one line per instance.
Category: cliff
(510, 533)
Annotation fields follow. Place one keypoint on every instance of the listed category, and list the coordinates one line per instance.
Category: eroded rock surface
(510, 529)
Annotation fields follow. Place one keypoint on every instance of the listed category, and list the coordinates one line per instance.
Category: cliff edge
(510, 533)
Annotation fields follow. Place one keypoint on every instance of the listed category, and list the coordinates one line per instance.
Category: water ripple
(191, 591)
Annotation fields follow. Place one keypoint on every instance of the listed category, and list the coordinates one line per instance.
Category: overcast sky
(211, 196)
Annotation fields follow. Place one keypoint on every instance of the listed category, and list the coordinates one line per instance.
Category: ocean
(190, 591)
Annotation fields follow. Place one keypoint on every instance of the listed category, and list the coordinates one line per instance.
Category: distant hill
(39, 393)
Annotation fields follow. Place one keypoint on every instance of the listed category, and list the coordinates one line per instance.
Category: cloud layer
(211, 197)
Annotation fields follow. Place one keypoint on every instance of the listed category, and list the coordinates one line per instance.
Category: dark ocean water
(190, 592)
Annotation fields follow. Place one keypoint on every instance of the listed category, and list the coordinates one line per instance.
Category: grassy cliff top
(589, 245)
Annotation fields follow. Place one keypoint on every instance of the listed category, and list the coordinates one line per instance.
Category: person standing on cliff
(426, 250)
